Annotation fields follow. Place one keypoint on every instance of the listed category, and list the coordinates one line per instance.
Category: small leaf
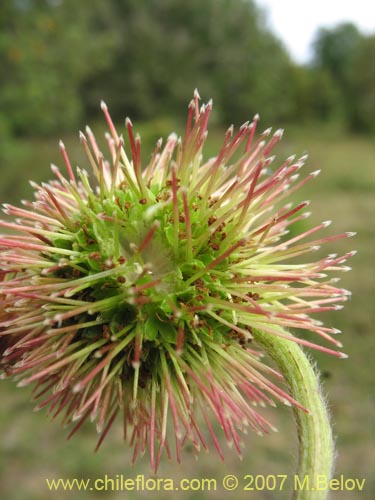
(169, 233)
(168, 332)
(151, 328)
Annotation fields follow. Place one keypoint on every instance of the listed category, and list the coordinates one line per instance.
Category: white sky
(296, 21)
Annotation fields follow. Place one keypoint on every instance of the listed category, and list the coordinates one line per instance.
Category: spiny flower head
(139, 289)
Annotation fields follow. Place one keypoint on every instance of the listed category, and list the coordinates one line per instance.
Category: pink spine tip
(315, 173)
(266, 132)
(279, 133)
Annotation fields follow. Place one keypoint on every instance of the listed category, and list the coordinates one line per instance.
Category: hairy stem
(316, 448)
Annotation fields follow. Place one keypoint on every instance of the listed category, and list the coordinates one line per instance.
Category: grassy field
(33, 449)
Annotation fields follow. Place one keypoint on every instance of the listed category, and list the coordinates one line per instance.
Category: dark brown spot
(254, 296)
(95, 256)
(106, 332)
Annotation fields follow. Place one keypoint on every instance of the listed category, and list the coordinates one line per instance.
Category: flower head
(139, 289)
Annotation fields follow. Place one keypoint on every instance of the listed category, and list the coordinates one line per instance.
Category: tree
(346, 55)
(168, 48)
(335, 49)
(315, 97)
(47, 49)
(362, 86)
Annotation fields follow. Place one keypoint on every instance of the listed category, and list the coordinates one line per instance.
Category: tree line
(59, 58)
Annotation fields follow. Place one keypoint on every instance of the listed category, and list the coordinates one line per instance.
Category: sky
(296, 21)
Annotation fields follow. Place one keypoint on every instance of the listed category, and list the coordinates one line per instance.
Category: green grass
(33, 449)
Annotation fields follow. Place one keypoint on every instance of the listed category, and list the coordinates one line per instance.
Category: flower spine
(139, 289)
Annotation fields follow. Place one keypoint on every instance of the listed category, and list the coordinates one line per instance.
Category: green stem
(316, 448)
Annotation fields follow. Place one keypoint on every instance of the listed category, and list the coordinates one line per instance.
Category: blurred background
(312, 74)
